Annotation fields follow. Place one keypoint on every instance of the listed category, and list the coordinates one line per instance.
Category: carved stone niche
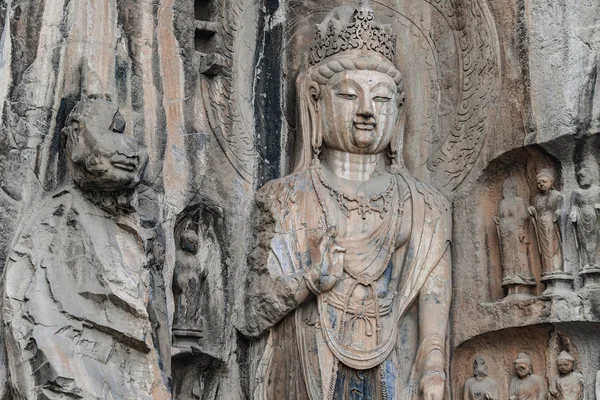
(509, 232)
(500, 349)
(198, 330)
(543, 343)
(478, 293)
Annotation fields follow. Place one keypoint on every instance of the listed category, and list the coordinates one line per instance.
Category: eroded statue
(546, 214)
(568, 384)
(76, 284)
(480, 386)
(188, 276)
(512, 222)
(526, 385)
(585, 205)
(351, 275)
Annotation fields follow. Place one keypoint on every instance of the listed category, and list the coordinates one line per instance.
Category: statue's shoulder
(45, 221)
(428, 194)
(277, 191)
(55, 206)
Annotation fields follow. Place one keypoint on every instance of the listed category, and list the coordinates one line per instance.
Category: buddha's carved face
(544, 183)
(564, 366)
(509, 188)
(585, 174)
(523, 369)
(358, 110)
(189, 242)
(480, 368)
(103, 159)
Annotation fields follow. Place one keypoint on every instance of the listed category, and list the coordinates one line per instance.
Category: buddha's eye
(382, 99)
(347, 96)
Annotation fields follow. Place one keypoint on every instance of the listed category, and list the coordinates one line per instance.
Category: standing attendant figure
(512, 224)
(546, 215)
(585, 203)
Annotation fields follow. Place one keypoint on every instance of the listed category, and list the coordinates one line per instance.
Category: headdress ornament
(361, 33)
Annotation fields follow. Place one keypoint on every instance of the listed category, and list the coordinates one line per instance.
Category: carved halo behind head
(347, 40)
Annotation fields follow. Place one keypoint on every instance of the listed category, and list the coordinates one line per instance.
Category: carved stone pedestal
(187, 340)
(591, 277)
(557, 282)
(517, 287)
(519, 290)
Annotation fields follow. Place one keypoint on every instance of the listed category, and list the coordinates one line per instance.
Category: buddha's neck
(113, 202)
(354, 167)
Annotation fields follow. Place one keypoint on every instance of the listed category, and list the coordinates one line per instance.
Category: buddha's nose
(365, 108)
(128, 147)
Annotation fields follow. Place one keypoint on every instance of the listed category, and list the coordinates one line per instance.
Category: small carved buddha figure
(76, 311)
(480, 386)
(568, 384)
(351, 248)
(546, 212)
(526, 385)
(512, 223)
(188, 276)
(585, 203)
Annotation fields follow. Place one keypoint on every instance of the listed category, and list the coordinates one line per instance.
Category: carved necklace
(363, 206)
(377, 203)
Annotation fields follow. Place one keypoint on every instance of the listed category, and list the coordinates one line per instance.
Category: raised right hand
(327, 269)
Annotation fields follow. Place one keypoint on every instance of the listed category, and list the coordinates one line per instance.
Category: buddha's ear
(395, 152)
(74, 140)
(310, 126)
(316, 126)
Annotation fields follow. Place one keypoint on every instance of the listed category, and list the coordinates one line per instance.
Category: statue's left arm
(434, 308)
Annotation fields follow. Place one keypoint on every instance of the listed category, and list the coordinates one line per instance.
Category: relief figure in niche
(585, 203)
(76, 284)
(351, 277)
(546, 213)
(568, 384)
(480, 386)
(187, 282)
(526, 385)
(512, 224)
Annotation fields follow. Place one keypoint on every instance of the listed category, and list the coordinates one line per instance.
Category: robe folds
(79, 304)
(331, 344)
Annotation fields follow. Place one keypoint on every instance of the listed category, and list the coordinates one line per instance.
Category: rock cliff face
(495, 92)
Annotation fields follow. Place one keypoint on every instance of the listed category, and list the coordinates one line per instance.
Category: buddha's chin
(364, 139)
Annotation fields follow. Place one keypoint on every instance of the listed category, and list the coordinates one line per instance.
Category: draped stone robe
(306, 355)
(76, 313)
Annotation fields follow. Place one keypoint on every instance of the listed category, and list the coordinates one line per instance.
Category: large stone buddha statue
(350, 278)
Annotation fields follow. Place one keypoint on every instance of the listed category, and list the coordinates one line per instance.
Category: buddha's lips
(125, 164)
(364, 126)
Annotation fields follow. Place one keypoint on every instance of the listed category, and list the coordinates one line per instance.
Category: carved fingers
(327, 270)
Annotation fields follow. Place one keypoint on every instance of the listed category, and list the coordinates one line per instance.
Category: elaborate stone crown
(362, 32)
